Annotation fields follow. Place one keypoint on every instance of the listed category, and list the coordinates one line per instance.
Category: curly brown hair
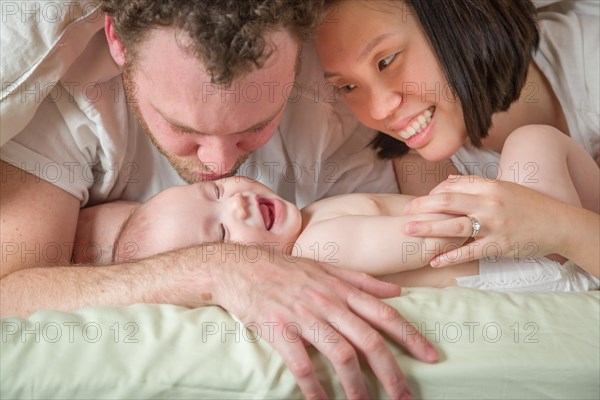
(227, 35)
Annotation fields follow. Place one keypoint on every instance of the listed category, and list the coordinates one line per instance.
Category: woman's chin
(433, 153)
(432, 156)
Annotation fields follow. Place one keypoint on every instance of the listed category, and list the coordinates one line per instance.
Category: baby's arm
(97, 230)
(376, 245)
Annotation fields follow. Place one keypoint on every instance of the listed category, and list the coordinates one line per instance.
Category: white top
(65, 120)
(569, 57)
(529, 275)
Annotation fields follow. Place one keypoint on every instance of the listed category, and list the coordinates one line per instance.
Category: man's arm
(39, 221)
(376, 245)
(262, 288)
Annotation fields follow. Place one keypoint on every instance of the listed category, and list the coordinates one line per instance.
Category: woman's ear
(115, 45)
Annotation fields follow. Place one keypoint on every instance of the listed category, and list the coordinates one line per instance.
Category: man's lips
(211, 177)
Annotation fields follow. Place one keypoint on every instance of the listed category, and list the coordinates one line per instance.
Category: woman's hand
(515, 221)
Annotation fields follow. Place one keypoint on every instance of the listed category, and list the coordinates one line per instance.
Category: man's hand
(333, 309)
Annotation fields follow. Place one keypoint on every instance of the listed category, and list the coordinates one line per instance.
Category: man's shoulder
(43, 39)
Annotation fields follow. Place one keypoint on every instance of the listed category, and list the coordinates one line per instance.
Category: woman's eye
(346, 88)
(217, 191)
(383, 64)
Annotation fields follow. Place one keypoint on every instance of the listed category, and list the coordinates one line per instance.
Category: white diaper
(539, 274)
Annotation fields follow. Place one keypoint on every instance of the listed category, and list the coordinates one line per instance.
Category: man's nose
(220, 155)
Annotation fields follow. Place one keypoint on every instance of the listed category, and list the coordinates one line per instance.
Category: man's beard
(189, 170)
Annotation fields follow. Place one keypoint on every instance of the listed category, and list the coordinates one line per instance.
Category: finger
(383, 316)
(376, 352)
(470, 252)
(342, 356)
(364, 282)
(296, 358)
(455, 227)
(449, 203)
(469, 184)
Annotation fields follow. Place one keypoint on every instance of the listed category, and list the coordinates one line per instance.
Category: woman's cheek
(361, 111)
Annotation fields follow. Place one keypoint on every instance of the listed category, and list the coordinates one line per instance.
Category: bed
(493, 346)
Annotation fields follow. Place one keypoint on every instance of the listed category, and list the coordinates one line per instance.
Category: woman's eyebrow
(372, 44)
(364, 53)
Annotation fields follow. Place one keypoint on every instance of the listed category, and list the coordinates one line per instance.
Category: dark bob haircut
(484, 48)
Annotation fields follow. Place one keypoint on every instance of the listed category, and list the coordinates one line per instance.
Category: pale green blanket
(494, 345)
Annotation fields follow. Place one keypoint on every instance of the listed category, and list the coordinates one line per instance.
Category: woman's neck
(537, 105)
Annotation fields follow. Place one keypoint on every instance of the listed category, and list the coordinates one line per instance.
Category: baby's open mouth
(267, 209)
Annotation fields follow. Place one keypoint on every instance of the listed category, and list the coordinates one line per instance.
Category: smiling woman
(475, 66)
(393, 61)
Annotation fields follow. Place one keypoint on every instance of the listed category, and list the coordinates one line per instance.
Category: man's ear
(114, 43)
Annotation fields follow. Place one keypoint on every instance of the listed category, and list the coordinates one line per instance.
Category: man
(119, 104)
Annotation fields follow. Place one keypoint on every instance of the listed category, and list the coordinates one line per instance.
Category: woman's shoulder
(590, 7)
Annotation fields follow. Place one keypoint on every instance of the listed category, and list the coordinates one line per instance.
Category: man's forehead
(180, 88)
(164, 53)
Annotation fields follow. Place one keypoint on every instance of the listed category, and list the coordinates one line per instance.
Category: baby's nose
(240, 205)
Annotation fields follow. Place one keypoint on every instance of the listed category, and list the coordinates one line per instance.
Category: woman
(453, 79)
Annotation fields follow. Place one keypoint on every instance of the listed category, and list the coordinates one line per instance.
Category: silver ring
(476, 226)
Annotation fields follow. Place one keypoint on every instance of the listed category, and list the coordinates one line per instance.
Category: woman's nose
(383, 102)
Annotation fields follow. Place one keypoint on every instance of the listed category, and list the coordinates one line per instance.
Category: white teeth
(419, 123)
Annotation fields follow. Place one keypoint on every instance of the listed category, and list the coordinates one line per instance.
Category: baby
(359, 231)
(364, 232)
